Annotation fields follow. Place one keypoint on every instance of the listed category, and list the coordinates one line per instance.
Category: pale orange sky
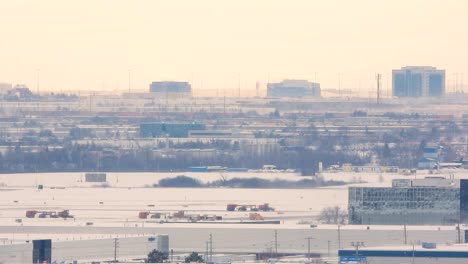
(92, 44)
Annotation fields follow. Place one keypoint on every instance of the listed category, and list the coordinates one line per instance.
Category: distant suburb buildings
(418, 81)
(428, 201)
(294, 89)
(176, 130)
(171, 89)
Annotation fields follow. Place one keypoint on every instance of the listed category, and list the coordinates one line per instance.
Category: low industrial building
(294, 89)
(176, 130)
(171, 89)
(428, 201)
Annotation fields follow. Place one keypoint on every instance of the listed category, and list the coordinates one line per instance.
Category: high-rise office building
(418, 81)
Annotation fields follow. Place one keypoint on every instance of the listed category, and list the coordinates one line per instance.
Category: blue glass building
(418, 82)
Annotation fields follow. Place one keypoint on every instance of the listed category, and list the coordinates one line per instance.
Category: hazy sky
(92, 44)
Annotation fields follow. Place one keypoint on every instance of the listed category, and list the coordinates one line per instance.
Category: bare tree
(333, 215)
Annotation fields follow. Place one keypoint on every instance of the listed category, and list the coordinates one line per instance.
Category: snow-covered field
(113, 211)
(129, 193)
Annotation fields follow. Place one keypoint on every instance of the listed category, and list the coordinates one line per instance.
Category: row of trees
(188, 182)
(76, 157)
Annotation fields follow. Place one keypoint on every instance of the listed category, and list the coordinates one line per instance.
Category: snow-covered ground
(113, 211)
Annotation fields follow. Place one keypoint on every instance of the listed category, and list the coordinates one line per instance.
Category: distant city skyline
(109, 45)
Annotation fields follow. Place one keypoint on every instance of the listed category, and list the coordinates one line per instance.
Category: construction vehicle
(31, 213)
(255, 216)
(64, 214)
(147, 214)
(143, 215)
(48, 214)
(265, 207)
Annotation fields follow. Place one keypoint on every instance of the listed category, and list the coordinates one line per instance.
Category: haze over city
(260, 131)
(96, 45)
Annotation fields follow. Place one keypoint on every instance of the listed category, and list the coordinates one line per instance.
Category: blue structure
(197, 169)
(418, 82)
(402, 253)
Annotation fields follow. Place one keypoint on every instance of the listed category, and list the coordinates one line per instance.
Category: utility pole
(328, 248)
(461, 83)
(276, 243)
(90, 102)
(206, 252)
(459, 233)
(116, 245)
(37, 84)
(357, 245)
(129, 80)
(211, 248)
(308, 247)
(224, 102)
(339, 84)
(406, 237)
(339, 237)
(257, 89)
(378, 78)
(239, 85)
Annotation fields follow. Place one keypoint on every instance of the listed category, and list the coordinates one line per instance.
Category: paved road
(192, 238)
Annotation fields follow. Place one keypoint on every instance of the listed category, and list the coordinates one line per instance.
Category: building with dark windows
(420, 81)
(177, 130)
(294, 89)
(42, 251)
(428, 201)
(171, 89)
